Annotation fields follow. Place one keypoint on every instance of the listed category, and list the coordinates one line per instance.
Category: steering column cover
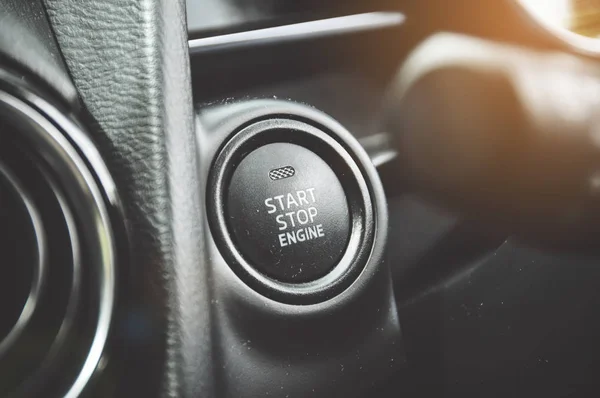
(129, 61)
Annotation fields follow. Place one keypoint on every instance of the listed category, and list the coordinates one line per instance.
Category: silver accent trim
(58, 151)
(299, 31)
(380, 148)
(72, 307)
(39, 274)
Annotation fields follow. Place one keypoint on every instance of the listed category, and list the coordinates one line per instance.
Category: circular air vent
(57, 248)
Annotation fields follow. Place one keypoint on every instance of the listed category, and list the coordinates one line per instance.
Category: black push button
(288, 213)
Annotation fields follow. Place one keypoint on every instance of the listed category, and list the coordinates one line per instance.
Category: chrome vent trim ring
(82, 184)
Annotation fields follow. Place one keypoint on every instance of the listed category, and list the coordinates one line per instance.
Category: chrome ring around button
(323, 144)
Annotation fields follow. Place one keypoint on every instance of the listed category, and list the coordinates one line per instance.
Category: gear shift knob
(501, 133)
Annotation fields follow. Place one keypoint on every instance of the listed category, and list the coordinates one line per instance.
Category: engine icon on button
(281, 173)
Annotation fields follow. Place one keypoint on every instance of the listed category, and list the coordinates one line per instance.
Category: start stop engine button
(288, 213)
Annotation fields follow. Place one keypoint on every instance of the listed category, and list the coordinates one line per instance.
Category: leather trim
(129, 60)
(28, 45)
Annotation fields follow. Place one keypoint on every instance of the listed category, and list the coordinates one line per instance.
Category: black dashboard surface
(481, 313)
(499, 318)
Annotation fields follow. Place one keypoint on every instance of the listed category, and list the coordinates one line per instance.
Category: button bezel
(330, 148)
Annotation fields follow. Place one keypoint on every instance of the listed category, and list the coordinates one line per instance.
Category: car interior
(299, 198)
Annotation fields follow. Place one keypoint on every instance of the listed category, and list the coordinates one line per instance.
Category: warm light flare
(577, 16)
(556, 12)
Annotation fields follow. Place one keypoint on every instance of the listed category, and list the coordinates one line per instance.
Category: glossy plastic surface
(288, 213)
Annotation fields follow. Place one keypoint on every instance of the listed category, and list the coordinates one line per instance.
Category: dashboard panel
(221, 17)
(475, 327)
(146, 98)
